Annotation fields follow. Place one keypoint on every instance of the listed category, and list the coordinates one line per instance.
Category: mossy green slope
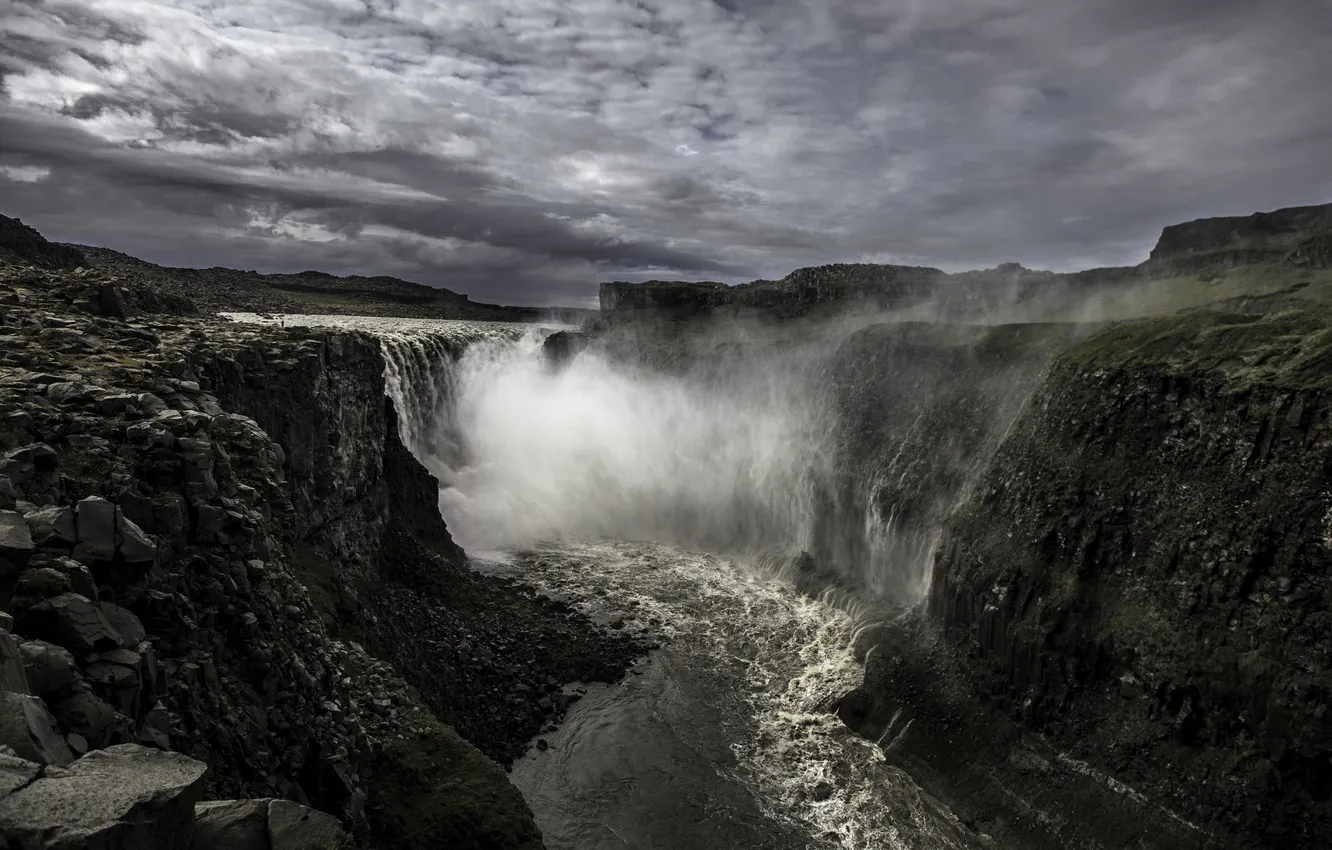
(1290, 349)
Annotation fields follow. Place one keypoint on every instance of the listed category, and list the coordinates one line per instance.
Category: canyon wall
(1136, 591)
(1144, 571)
(173, 573)
(1296, 234)
(916, 409)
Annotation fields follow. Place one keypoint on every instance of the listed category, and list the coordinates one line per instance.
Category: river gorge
(869, 557)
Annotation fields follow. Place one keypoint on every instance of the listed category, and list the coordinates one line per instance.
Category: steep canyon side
(175, 573)
(917, 409)
(1137, 592)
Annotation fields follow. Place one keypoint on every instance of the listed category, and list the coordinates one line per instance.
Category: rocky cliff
(175, 575)
(1297, 235)
(804, 291)
(222, 289)
(20, 243)
(1193, 264)
(1140, 578)
(917, 409)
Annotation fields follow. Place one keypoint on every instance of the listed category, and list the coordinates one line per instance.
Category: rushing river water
(724, 737)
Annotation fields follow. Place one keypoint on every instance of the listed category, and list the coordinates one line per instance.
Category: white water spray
(597, 450)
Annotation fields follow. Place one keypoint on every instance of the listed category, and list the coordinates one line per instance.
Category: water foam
(784, 656)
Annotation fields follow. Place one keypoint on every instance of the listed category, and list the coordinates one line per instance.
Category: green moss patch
(1290, 349)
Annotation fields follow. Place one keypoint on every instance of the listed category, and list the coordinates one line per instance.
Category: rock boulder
(72, 621)
(263, 824)
(125, 797)
(27, 727)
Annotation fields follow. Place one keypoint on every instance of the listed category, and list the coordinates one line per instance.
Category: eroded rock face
(231, 825)
(563, 346)
(13, 675)
(72, 621)
(16, 545)
(1144, 574)
(22, 242)
(150, 559)
(49, 668)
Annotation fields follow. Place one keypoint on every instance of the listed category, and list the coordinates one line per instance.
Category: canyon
(1000, 559)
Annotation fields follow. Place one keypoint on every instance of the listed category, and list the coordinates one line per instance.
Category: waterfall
(850, 444)
(421, 376)
(526, 453)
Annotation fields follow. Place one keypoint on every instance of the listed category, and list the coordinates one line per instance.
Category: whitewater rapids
(724, 738)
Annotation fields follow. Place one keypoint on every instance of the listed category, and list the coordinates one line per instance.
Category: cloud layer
(522, 150)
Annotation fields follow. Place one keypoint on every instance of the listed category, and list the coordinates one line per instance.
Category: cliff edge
(159, 550)
(1135, 597)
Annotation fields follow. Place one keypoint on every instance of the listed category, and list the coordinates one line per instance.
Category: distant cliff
(1301, 236)
(1201, 262)
(221, 289)
(23, 244)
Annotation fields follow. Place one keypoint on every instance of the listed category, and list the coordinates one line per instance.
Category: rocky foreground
(213, 550)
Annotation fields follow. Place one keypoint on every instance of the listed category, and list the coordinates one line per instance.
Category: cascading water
(598, 451)
(850, 443)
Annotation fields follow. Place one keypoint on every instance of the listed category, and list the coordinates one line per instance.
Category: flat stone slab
(125, 797)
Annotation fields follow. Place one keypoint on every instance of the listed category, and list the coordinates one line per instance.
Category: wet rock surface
(489, 656)
(1136, 592)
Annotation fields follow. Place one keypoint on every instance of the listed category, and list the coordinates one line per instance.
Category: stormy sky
(522, 150)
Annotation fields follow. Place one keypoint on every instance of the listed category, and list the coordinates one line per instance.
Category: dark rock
(80, 577)
(126, 796)
(134, 546)
(27, 727)
(49, 668)
(69, 392)
(231, 825)
(83, 712)
(562, 346)
(52, 526)
(36, 462)
(72, 621)
(36, 585)
(107, 300)
(300, 827)
(124, 622)
(117, 680)
(22, 242)
(13, 676)
(95, 521)
(155, 730)
(16, 545)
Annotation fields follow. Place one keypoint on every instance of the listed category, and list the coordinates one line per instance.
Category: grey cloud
(522, 149)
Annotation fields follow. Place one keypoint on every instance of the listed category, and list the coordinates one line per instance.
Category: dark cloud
(521, 150)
